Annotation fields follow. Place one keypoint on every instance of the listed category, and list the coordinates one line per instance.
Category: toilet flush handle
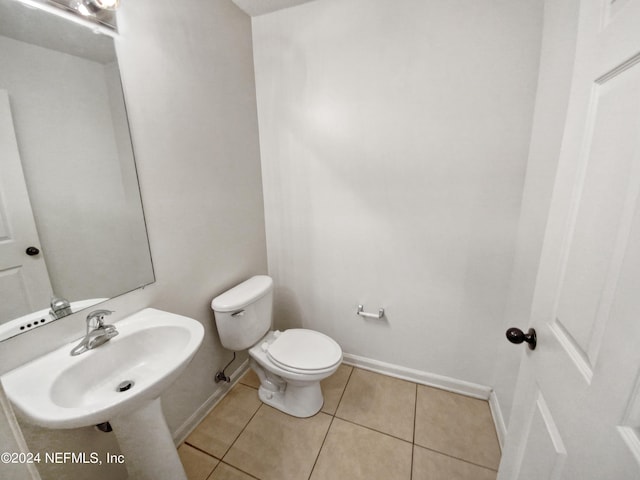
(239, 313)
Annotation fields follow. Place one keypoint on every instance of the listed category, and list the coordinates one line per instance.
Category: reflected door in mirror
(24, 280)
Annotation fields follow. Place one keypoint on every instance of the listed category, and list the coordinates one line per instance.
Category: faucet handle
(98, 316)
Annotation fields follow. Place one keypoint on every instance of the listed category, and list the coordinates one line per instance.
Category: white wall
(188, 76)
(394, 138)
(554, 80)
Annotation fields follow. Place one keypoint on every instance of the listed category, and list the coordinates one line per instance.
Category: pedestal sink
(119, 382)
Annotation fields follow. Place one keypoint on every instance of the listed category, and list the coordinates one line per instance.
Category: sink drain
(124, 386)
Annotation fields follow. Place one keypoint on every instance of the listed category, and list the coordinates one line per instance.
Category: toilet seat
(300, 350)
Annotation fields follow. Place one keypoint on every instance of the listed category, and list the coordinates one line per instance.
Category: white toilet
(290, 364)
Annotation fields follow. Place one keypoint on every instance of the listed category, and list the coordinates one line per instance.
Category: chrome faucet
(60, 307)
(97, 332)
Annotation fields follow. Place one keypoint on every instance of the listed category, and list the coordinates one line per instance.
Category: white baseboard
(439, 381)
(417, 376)
(498, 419)
(194, 420)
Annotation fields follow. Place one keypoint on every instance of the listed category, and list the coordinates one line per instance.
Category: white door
(24, 280)
(576, 413)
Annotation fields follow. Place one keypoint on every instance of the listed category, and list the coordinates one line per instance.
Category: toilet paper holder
(362, 313)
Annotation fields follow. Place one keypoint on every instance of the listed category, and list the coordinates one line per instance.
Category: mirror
(72, 227)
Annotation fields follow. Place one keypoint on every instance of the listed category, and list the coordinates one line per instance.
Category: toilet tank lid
(243, 294)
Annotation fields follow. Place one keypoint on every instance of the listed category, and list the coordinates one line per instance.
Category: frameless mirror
(72, 228)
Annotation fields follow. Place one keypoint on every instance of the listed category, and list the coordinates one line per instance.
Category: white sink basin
(62, 391)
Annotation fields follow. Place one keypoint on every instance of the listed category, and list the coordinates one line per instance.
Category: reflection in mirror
(72, 229)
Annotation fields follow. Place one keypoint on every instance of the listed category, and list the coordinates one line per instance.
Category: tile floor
(370, 427)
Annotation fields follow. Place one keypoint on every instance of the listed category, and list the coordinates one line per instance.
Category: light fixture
(106, 4)
(91, 7)
(104, 26)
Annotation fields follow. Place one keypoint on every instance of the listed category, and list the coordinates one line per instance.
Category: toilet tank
(243, 313)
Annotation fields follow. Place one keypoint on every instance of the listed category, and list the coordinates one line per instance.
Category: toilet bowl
(290, 366)
(290, 363)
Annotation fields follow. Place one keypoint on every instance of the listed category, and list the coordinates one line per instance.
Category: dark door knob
(515, 335)
(32, 251)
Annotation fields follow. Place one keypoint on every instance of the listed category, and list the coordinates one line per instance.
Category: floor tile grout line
(344, 390)
(444, 453)
(365, 426)
(320, 449)
(234, 467)
(239, 434)
(415, 420)
(333, 416)
(232, 443)
(250, 386)
(195, 447)
(254, 414)
(412, 443)
(374, 430)
(456, 458)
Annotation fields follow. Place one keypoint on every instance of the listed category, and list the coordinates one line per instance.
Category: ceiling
(260, 7)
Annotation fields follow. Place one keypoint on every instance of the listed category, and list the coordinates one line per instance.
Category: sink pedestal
(146, 443)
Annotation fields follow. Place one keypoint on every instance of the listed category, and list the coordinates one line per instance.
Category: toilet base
(297, 401)
(295, 398)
